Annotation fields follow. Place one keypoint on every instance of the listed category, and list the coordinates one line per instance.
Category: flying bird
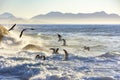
(59, 37)
(66, 55)
(43, 58)
(55, 51)
(86, 48)
(37, 57)
(64, 42)
(25, 30)
(22, 33)
(12, 27)
(52, 50)
(40, 57)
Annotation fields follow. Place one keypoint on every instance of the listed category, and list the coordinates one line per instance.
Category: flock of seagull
(55, 51)
(21, 33)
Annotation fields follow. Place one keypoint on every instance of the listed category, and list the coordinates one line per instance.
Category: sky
(30, 8)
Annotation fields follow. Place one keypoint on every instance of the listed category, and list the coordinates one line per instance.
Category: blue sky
(29, 8)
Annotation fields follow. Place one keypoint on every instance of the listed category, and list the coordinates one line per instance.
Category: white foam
(82, 64)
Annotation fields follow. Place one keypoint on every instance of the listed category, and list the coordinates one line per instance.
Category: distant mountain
(8, 17)
(63, 18)
(59, 15)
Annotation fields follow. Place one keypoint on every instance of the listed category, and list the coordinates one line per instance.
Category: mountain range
(65, 18)
(76, 16)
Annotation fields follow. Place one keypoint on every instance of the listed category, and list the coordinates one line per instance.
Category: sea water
(100, 63)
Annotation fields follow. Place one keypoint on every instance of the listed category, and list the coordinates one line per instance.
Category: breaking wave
(17, 58)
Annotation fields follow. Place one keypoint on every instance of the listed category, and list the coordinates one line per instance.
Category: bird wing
(22, 33)
(59, 35)
(57, 50)
(12, 27)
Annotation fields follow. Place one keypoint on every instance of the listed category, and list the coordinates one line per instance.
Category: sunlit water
(102, 61)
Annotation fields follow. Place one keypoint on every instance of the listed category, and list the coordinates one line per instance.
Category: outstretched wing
(32, 29)
(12, 27)
(21, 33)
(65, 51)
(57, 50)
(59, 35)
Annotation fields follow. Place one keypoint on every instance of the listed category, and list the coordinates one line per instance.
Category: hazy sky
(29, 8)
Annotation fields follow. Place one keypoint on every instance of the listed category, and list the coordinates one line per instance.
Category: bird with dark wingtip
(64, 42)
(55, 51)
(12, 27)
(40, 57)
(52, 50)
(66, 55)
(59, 37)
(21, 33)
(86, 48)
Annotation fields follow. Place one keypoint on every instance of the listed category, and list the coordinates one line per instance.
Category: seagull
(40, 57)
(55, 51)
(12, 27)
(43, 58)
(66, 55)
(59, 37)
(25, 30)
(86, 48)
(64, 42)
(37, 57)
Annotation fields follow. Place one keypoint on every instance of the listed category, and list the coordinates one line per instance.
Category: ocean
(101, 62)
(97, 30)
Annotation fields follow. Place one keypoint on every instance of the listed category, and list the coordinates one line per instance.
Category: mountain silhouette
(59, 17)
(10, 18)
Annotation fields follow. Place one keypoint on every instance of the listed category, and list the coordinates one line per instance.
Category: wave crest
(109, 55)
(3, 32)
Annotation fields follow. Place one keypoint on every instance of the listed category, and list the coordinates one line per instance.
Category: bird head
(32, 29)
